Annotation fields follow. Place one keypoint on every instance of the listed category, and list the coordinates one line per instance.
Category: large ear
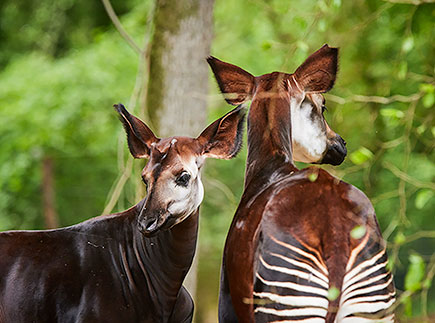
(139, 136)
(236, 84)
(317, 74)
(223, 138)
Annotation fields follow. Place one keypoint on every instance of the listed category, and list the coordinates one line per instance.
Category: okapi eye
(183, 179)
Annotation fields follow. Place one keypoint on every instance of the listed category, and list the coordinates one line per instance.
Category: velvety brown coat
(307, 207)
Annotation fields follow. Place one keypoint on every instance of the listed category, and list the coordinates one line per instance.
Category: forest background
(63, 156)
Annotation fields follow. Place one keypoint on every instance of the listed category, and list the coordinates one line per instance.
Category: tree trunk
(178, 83)
(48, 196)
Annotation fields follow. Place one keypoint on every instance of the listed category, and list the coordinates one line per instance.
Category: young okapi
(125, 267)
(290, 241)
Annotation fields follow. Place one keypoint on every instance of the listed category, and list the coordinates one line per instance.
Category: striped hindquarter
(368, 292)
(292, 282)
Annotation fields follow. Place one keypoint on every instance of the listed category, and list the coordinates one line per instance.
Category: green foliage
(360, 156)
(358, 232)
(422, 198)
(60, 77)
(61, 108)
(415, 273)
(333, 293)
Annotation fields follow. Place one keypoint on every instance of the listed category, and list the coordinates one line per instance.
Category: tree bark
(48, 194)
(178, 82)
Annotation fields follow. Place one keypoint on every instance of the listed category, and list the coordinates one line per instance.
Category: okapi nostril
(151, 224)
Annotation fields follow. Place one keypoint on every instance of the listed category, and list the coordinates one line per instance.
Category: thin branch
(139, 87)
(119, 186)
(413, 237)
(396, 171)
(414, 2)
(118, 26)
(374, 99)
(222, 187)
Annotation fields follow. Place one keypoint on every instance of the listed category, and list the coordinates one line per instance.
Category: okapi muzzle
(336, 152)
(151, 221)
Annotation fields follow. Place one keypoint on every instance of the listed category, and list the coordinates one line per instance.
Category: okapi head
(172, 174)
(311, 139)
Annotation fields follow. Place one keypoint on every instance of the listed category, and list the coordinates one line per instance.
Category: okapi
(290, 247)
(124, 267)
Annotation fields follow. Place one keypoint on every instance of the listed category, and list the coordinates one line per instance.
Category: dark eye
(183, 179)
(324, 108)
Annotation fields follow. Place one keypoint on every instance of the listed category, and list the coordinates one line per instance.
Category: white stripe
(303, 253)
(355, 319)
(365, 283)
(356, 251)
(313, 320)
(368, 263)
(347, 283)
(368, 289)
(294, 272)
(295, 300)
(302, 265)
(294, 312)
(370, 298)
(298, 287)
(363, 308)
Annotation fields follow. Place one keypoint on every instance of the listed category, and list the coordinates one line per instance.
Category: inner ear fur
(139, 136)
(223, 138)
(317, 74)
(235, 83)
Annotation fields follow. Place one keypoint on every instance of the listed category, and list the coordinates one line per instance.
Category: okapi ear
(139, 136)
(236, 84)
(317, 74)
(223, 138)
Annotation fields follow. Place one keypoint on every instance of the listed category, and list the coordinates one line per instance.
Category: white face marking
(183, 201)
(308, 136)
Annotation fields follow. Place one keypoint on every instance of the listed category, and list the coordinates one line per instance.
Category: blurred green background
(63, 65)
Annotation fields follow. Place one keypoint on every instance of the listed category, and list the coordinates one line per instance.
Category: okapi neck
(269, 131)
(167, 257)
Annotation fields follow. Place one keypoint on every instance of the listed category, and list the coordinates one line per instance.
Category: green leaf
(403, 69)
(423, 196)
(333, 293)
(408, 44)
(415, 274)
(399, 238)
(302, 46)
(427, 283)
(392, 116)
(313, 176)
(390, 264)
(322, 25)
(358, 232)
(360, 156)
(421, 129)
(336, 3)
(266, 45)
(392, 113)
(428, 100)
(427, 88)
(408, 306)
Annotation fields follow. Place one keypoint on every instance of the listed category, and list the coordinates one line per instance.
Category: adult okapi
(290, 241)
(125, 267)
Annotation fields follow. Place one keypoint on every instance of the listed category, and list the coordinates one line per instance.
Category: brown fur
(309, 205)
